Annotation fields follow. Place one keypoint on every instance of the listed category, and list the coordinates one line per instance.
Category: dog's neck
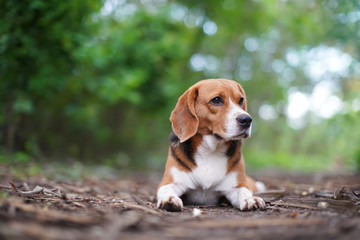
(211, 143)
(208, 143)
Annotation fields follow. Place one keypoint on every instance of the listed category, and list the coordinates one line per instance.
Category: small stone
(304, 193)
(323, 205)
(197, 212)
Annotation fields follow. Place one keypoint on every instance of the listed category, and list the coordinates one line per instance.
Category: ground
(299, 206)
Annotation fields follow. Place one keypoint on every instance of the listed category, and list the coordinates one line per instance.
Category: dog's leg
(169, 197)
(260, 186)
(243, 199)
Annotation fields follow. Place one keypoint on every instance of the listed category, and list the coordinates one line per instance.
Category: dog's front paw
(250, 203)
(171, 204)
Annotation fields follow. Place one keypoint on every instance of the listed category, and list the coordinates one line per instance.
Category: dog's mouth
(242, 134)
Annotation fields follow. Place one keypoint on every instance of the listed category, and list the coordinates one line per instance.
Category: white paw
(250, 203)
(170, 203)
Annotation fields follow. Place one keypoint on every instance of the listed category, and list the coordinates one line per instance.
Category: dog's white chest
(209, 179)
(211, 170)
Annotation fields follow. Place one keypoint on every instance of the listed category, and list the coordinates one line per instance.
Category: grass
(303, 163)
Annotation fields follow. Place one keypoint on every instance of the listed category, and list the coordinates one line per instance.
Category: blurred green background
(94, 82)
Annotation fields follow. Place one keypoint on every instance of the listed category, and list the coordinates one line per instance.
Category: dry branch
(140, 207)
(296, 205)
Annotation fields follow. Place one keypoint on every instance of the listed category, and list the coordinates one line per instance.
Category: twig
(135, 206)
(26, 187)
(5, 187)
(271, 195)
(297, 205)
(325, 195)
(32, 193)
(356, 194)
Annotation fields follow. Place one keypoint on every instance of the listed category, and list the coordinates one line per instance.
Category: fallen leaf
(13, 187)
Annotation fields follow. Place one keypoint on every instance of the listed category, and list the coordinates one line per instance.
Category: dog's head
(213, 106)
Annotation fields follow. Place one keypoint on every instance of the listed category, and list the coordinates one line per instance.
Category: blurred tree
(98, 79)
(37, 40)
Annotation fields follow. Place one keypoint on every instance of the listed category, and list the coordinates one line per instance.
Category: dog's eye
(241, 101)
(217, 101)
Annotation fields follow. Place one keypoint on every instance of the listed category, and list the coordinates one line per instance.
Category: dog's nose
(244, 120)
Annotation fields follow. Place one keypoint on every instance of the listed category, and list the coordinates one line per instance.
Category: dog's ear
(184, 121)
(244, 105)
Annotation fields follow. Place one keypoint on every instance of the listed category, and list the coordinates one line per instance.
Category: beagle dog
(204, 161)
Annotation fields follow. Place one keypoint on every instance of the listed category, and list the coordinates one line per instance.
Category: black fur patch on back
(185, 147)
(182, 163)
(188, 149)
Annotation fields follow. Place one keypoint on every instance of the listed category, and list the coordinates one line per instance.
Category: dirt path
(298, 207)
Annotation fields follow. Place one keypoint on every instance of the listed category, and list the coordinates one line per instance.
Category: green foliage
(357, 160)
(3, 195)
(81, 80)
(37, 43)
(283, 160)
